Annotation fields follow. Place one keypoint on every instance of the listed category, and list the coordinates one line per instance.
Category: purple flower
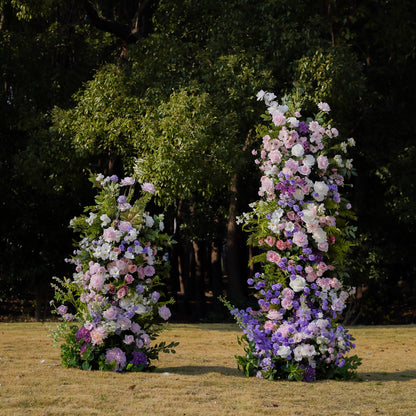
(114, 178)
(117, 355)
(138, 358)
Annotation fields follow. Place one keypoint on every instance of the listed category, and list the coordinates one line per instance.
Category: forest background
(166, 89)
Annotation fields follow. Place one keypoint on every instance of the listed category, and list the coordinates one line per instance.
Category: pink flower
(98, 335)
(132, 268)
(128, 339)
(140, 272)
(300, 239)
(270, 325)
(273, 256)
(124, 323)
(311, 277)
(127, 181)
(267, 186)
(274, 315)
(164, 312)
(148, 187)
(278, 118)
(304, 170)
(124, 226)
(111, 313)
(323, 246)
(270, 241)
(322, 162)
(110, 235)
(324, 107)
(275, 156)
(122, 292)
(62, 310)
(97, 281)
(128, 278)
(149, 271)
(281, 245)
(288, 293)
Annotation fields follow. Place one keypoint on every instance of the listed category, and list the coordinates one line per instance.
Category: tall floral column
(301, 225)
(112, 308)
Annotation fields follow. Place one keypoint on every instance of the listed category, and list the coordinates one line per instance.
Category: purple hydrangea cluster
(299, 224)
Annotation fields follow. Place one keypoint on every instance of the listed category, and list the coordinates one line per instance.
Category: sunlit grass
(202, 379)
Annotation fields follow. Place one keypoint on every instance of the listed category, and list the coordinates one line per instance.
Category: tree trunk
(235, 258)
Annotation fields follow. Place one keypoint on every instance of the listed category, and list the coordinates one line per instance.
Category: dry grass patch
(202, 379)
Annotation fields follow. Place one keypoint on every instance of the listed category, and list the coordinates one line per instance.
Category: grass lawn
(202, 378)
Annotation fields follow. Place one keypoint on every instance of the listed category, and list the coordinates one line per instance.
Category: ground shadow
(405, 375)
(195, 370)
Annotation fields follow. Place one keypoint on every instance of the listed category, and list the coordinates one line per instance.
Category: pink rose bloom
(331, 239)
(323, 246)
(128, 339)
(122, 292)
(149, 271)
(335, 283)
(110, 235)
(270, 241)
(132, 268)
(274, 315)
(300, 239)
(140, 272)
(322, 266)
(62, 310)
(267, 186)
(111, 313)
(148, 187)
(288, 293)
(98, 335)
(292, 165)
(123, 265)
(284, 330)
(128, 278)
(127, 181)
(278, 118)
(164, 312)
(291, 215)
(270, 325)
(311, 277)
(273, 256)
(275, 156)
(304, 170)
(322, 162)
(97, 281)
(281, 245)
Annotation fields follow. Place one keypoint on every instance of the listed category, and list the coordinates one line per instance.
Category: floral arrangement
(111, 308)
(301, 225)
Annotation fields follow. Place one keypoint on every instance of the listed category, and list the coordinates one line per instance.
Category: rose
(278, 118)
(127, 181)
(297, 150)
(128, 339)
(298, 284)
(300, 239)
(96, 281)
(273, 257)
(111, 313)
(322, 162)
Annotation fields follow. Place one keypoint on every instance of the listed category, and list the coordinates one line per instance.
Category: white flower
(338, 161)
(298, 284)
(293, 122)
(283, 351)
(297, 150)
(105, 220)
(348, 164)
(309, 160)
(344, 147)
(299, 194)
(322, 189)
(161, 226)
(149, 221)
(289, 226)
(114, 272)
(351, 142)
(268, 98)
(260, 95)
(129, 255)
(91, 218)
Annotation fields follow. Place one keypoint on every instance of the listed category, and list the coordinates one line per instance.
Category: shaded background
(89, 85)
